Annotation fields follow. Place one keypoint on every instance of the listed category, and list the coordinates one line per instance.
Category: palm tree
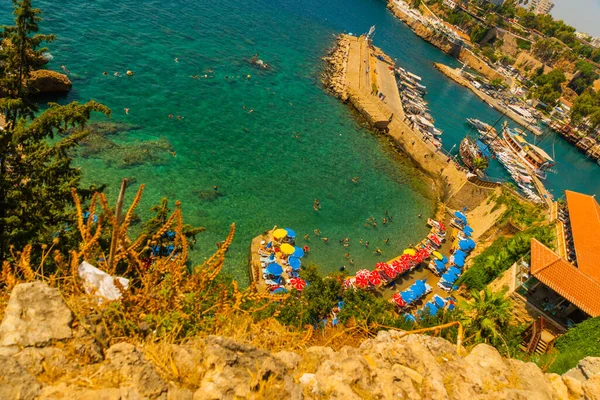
(486, 315)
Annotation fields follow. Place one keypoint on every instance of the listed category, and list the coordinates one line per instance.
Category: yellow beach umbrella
(410, 252)
(287, 249)
(438, 255)
(279, 233)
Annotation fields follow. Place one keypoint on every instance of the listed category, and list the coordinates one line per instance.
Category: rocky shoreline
(334, 77)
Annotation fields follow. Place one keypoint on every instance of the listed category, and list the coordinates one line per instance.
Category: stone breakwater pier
(357, 73)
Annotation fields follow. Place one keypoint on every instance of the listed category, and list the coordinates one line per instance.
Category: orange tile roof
(584, 214)
(565, 279)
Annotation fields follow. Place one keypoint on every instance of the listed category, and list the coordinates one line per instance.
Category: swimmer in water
(173, 153)
(170, 115)
(105, 73)
(176, 59)
(179, 118)
(250, 112)
(126, 110)
(65, 69)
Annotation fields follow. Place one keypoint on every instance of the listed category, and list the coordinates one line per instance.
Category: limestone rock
(35, 316)
(15, 382)
(46, 81)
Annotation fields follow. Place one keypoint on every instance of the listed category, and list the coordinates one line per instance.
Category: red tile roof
(565, 279)
(584, 215)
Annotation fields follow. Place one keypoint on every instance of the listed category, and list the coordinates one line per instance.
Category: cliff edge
(45, 355)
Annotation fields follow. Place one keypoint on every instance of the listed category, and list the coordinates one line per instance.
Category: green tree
(586, 75)
(36, 175)
(486, 316)
(549, 87)
(478, 33)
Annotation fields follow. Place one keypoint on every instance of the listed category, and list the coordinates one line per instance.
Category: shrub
(579, 342)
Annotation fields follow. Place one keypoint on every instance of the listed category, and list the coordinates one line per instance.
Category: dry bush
(166, 300)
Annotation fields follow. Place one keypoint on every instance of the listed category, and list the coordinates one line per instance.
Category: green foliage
(587, 105)
(579, 342)
(490, 53)
(478, 33)
(459, 18)
(503, 253)
(585, 77)
(549, 86)
(36, 175)
(480, 163)
(486, 316)
(523, 44)
(547, 50)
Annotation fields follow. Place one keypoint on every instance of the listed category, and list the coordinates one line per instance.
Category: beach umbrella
(375, 278)
(439, 301)
(410, 252)
(435, 239)
(287, 248)
(461, 216)
(348, 283)
(410, 318)
(380, 266)
(269, 245)
(437, 255)
(431, 309)
(454, 271)
(362, 281)
(423, 253)
(294, 263)
(444, 259)
(466, 244)
(298, 252)
(390, 271)
(279, 233)
(290, 233)
(442, 227)
(298, 284)
(274, 269)
(399, 300)
(468, 229)
(460, 262)
(440, 266)
(467, 233)
(362, 272)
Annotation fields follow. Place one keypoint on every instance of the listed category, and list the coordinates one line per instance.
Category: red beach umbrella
(380, 266)
(398, 300)
(298, 284)
(423, 253)
(348, 283)
(390, 271)
(362, 281)
(442, 226)
(435, 239)
(360, 272)
(375, 278)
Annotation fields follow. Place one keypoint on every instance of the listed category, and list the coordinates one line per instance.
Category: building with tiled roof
(566, 285)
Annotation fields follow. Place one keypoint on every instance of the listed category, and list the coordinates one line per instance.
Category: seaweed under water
(99, 144)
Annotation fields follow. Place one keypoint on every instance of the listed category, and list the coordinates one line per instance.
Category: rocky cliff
(45, 353)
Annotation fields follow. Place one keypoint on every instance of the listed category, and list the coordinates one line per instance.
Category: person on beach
(387, 240)
(317, 232)
(306, 237)
(384, 220)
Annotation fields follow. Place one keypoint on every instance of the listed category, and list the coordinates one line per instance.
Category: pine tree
(36, 174)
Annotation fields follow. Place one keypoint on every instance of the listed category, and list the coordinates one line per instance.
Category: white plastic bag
(100, 283)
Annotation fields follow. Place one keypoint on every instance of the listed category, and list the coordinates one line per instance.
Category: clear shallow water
(265, 174)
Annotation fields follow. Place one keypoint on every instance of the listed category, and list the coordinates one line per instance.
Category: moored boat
(472, 155)
(532, 156)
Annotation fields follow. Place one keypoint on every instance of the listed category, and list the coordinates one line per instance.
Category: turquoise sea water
(298, 144)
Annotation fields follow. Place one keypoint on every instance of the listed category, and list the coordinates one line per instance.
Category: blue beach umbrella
(439, 302)
(466, 244)
(467, 233)
(440, 266)
(461, 216)
(274, 269)
(444, 259)
(410, 318)
(290, 233)
(467, 229)
(431, 309)
(460, 262)
(454, 271)
(298, 252)
(294, 263)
